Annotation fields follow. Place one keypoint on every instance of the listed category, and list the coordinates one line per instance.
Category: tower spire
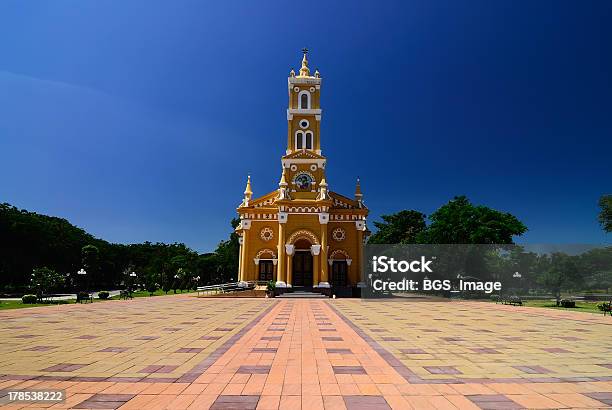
(358, 194)
(323, 193)
(248, 192)
(304, 71)
(283, 191)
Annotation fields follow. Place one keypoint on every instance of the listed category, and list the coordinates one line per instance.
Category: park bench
(227, 287)
(124, 294)
(84, 297)
(512, 300)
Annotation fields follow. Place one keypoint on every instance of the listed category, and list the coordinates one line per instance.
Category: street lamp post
(81, 273)
(131, 282)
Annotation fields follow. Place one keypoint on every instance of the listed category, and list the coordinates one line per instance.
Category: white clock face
(303, 181)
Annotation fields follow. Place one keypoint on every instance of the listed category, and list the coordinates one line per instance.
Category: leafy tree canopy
(402, 227)
(605, 215)
(459, 221)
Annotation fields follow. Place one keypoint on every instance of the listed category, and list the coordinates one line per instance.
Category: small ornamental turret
(292, 73)
(358, 194)
(317, 74)
(248, 193)
(323, 193)
(283, 190)
(304, 71)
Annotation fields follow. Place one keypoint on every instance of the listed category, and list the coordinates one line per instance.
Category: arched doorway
(339, 262)
(302, 264)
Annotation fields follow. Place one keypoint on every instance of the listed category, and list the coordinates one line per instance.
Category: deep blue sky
(139, 120)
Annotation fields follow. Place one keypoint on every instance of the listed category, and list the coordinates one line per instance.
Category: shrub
(29, 299)
(568, 303)
(103, 294)
(271, 286)
(152, 288)
(495, 298)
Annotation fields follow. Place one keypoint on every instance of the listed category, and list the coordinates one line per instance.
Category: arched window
(308, 143)
(299, 139)
(304, 100)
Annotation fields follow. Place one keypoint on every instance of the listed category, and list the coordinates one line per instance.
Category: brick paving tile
(365, 403)
(310, 354)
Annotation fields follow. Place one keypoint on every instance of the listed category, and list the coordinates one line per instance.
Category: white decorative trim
(314, 167)
(315, 249)
(282, 217)
(266, 233)
(349, 261)
(323, 218)
(303, 209)
(339, 252)
(289, 248)
(360, 225)
(304, 126)
(297, 111)
(316, 81)
(240, 240)
(246, 224)
(338, 234)
(274, 261)
(256, 260)
(262, 251)
(308, 100)
(288, 162)
(303, 233)
(324, 285)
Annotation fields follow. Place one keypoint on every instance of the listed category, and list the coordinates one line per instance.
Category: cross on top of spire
(304, 71)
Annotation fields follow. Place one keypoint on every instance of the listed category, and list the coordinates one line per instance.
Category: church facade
(302, 234)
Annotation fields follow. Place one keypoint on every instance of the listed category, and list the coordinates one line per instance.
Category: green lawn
(590, 307)
(17, 304)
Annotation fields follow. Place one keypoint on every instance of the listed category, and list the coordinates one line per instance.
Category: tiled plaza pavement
(183, 352)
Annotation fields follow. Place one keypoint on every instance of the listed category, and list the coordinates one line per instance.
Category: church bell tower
(302, 235)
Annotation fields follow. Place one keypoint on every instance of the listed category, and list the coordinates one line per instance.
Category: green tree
(558, 272)
(45, 280)
(402, 227)
(226, 258)
(605, 215)
(459, 221)
(90, 258)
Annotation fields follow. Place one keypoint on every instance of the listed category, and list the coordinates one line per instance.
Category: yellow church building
(302, 234)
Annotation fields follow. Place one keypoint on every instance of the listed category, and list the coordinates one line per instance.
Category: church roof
(343, 202)
(303, 154)
(338, 201)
